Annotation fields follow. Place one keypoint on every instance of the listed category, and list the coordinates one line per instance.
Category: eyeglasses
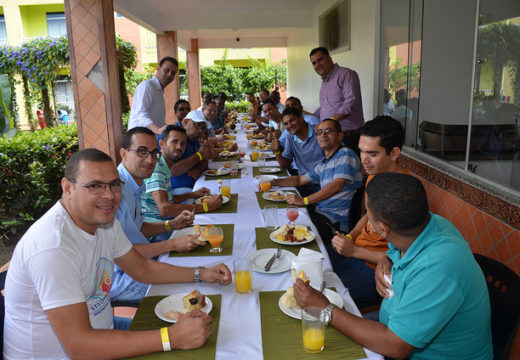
(326, 131)
(183, 109)
(143, 152)
(98, 187)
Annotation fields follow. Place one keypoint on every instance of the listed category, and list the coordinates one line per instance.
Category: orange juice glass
(254, 156)
(225, 188)
(313, 329)
(248, 126)
(265, 186)
(243, 278)
(254, 143)
(215, 238)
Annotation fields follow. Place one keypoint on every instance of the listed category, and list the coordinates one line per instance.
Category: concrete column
(90, 27)
(193, 69)
(167, 46)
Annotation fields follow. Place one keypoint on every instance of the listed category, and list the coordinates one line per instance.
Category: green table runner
(256, 171)
(228, 158)
(263, 202)
(225, 177)
(229, 207)
(227, 245)
(264, 242)
(145, 319)
(282, 335)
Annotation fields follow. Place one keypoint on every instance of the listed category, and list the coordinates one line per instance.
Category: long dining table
(240, 333)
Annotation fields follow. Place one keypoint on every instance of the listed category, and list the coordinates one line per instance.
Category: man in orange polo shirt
(380, 146)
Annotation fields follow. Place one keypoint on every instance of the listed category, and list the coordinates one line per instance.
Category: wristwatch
(196, 274)
(326, 314)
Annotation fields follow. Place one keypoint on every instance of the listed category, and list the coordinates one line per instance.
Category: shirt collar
(331, 72)
(157, 84)
(310, 132)
(129, 179)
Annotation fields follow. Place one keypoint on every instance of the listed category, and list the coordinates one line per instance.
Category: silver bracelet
(196, 274)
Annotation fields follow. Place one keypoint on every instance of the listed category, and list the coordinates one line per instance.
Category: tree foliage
(403, 76)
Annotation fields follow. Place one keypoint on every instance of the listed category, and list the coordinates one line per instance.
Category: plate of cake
(171, 308)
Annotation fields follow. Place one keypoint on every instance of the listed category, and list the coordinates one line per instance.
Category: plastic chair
(356, 207)
(504, 291)
(2, 310)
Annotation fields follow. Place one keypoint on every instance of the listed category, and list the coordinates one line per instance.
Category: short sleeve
(288, 150)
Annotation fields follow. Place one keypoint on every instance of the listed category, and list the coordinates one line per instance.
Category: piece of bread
(301, 275)
(194, 301)
(288, 298)
(172, 314)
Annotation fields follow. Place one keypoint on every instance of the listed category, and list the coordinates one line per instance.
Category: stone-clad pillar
(90, 28)
(192, 59)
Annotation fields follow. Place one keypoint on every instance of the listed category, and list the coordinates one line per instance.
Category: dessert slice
(193, 301)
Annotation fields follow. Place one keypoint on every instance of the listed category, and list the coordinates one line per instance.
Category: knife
(271, 260)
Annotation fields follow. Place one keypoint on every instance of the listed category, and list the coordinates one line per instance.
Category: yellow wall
(34, 20)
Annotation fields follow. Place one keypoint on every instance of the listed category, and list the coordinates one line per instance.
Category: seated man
(380, 145)
(275, 96)
(439, 308)
(139, 156)
(158, 201)
(195, 158)
(56, 293)
(210, 113)
(181, 109)
(222, 114)
(275, 126)
(339, 175)
(301, 147)
(296, 103)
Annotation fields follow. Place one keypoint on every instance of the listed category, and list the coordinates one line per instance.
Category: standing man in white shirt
(148, 107)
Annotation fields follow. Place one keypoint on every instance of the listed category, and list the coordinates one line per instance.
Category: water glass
(270, 214)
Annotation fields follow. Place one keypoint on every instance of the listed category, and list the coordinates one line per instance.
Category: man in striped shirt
(339, 175)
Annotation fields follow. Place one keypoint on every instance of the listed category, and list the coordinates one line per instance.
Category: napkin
(388, 279)
(310, 262)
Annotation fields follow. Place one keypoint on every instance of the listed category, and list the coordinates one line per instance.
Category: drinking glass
(254, 155)
(225, 188)
(313, 329)
(292, 214)
(265, 186)
(215, 238)
(242, 271)
(270, 214)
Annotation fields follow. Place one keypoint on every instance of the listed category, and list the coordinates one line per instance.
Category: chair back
(356, 207)
(2, 311)
(504, 293)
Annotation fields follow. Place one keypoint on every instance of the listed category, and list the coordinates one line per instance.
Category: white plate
(269, 155)
(174, 302)
(296, 313)
(269, 170)
(263, 178)
(267, 195)
(232, 153)
(222, 171)
(272, 237)
(259, 259)
(225, 199)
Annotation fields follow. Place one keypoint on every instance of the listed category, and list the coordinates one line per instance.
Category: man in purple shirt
(340, 96)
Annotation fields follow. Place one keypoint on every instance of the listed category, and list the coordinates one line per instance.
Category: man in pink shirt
(340, 96)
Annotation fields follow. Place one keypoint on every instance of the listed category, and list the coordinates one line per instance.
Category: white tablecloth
(239, 335)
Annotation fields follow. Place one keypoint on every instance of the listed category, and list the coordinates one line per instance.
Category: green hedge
(31, 168)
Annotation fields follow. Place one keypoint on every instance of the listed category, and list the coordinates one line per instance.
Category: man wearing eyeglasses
(339, 175)
(56, 294)
(139, 155)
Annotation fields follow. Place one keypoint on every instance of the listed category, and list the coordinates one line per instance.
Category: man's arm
(367, 333)
(351, 92)
(297, 180)
(182, 166)
(276, 147)
(183, 243)
(345, 246)
(332, 188)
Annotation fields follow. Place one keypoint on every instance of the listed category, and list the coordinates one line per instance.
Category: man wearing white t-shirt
(148, 107)
(56, 293)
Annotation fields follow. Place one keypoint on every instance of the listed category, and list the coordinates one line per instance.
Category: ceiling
(222, 23)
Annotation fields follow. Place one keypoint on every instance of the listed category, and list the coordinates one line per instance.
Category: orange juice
(265, 186)
(226, 190)
(227, 164)
(313, 340)
(249, 136)
(243, 281)
(215, 240)
(254, 143)
(247, 126)
(254, 156)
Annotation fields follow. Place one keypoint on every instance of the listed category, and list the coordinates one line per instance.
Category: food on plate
(288, 299)
(204, 233)
(276, 195)
(264, 147)
(220, 171)
(297, 233)
(206, 198)
(227, 153)
(194, 301)
(172, 314)
(196, 229)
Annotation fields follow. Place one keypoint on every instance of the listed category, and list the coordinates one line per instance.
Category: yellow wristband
(349, 236)
(205, 207)
(165, 338)
(199, 155)
(306, 200)
(332, 118)
(167, 226)
(277, 153)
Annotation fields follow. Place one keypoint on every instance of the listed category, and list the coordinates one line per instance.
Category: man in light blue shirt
(139, 155)
(436, 302)
(296, 103)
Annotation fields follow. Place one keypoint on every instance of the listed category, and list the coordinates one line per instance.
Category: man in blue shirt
(339, 175)
(436, 302)
(139, 156)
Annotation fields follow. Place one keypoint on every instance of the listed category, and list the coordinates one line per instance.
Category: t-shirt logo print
(103, 278)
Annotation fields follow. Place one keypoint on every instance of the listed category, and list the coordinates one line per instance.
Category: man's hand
(185, 218)
(206, 150)
(275, 145)
(214, 203)
(307, 296)
(294, 199)
(343, 245)
(218, 273)
(382, 286)
(194, 173)
(203, 191)
(185, 243)
(191, 331)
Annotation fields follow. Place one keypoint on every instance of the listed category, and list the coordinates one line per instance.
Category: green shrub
(240, 106)
(31, 168)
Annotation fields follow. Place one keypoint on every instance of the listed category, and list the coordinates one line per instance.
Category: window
(335, 27)
(56, 25)
(3, 31)
(456, 87)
